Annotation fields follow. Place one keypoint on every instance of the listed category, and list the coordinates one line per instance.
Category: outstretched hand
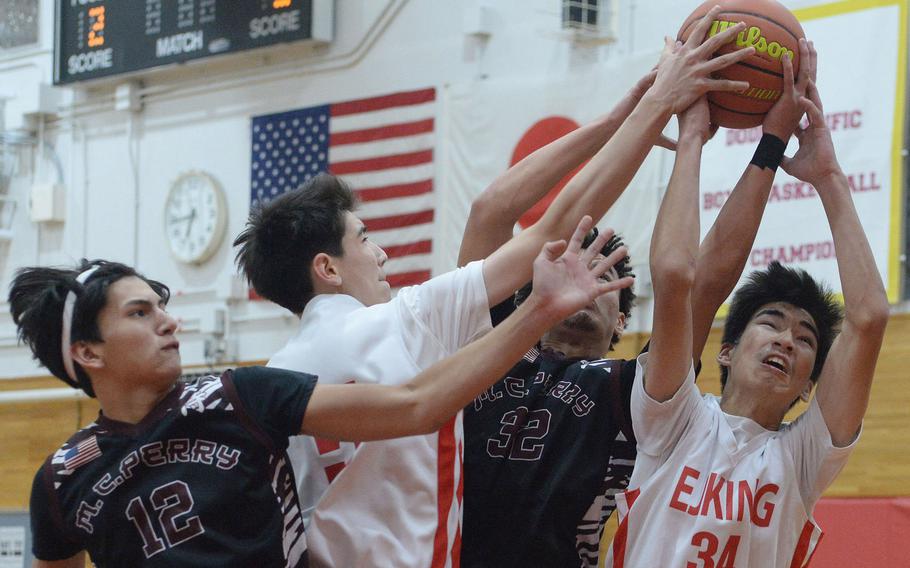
(627, 104)
(784, 116)
(566, 278)
(815, 160)
(685, 70)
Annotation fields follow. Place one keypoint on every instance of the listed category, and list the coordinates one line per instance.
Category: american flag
(382, 146)
(82, 453)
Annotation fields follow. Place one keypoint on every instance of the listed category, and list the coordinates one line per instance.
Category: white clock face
(194, 217)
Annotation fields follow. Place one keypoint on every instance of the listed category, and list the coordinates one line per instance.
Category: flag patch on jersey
(82, 453)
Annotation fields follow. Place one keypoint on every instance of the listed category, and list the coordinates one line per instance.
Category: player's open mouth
(777, 362)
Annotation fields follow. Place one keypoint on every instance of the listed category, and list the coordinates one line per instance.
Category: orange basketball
(772, 30)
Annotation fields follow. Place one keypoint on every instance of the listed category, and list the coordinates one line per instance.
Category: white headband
(68, 307)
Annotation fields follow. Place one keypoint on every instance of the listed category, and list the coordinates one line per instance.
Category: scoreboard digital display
(100, 38)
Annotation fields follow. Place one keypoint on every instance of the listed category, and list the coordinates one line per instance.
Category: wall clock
(195, 217)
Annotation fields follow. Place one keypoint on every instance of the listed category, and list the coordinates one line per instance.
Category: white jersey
(395, 502)
(712, 489)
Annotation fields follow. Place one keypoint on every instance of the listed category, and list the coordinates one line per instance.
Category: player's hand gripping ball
(773, 31)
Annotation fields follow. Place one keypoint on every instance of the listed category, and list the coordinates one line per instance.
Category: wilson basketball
(773, 31)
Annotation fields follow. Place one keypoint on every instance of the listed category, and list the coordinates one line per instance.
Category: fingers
(805, 63)
(669, 47)
(594, 248)
(816, 117)
(604, 286)
(813, 62)
(726, 85)
(552, 250)
(617, 255)
(788, 73)
(813, 95)
(579, 235)
(715, 42)
(701, 28)
(727, 59)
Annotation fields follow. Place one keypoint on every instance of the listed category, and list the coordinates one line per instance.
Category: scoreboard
(100, 38)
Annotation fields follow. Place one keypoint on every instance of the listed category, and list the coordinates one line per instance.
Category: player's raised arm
(495, 212)
(725, 250)
(846, 378)
(565, 280)
(674, 249)
(683, 74)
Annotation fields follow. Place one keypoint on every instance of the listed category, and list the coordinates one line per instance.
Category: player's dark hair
(283, 236)
(793, 286)
(623, 268)
(37, 295)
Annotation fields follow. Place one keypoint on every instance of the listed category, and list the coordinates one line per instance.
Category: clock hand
(173, 220)
(190, 224)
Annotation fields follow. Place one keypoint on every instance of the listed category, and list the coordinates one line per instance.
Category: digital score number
(100, 38)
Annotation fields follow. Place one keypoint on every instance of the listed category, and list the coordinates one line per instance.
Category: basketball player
(400, 502)
(548, 447)
(722, 481)
(195, 474)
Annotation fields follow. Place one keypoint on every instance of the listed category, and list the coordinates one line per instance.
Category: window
(590, 20)
(19, 24)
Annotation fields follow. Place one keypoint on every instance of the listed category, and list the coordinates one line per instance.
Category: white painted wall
(117, 166)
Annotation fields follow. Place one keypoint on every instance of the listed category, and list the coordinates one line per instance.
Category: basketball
(773, 31)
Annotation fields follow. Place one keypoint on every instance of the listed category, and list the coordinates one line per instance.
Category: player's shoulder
(607, 366)
(82, 448)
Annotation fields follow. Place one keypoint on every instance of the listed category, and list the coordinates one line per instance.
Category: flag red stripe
(396, 221)
(382, 163)
(420, 247)
(381, 132)
(408, 278)
(399, 190)
(387, 101)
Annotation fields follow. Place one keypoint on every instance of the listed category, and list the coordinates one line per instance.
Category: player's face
(776, 352)
(137, 334)
(599, 320)
(361, 265)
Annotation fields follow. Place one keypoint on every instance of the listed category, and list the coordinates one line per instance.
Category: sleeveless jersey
(202, 480)
(716, 490)
(546, 450)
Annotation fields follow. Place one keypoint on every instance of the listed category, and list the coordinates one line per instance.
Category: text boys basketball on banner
(382, 146)
(863, 100)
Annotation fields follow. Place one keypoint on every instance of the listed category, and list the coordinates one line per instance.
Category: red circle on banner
(539, 135)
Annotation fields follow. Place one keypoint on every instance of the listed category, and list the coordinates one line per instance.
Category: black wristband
(769, 153)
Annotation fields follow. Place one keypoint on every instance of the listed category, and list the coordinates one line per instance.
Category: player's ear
(620, 326)
(804, 396)
(88, 355)
(324, 272)
(725, 355)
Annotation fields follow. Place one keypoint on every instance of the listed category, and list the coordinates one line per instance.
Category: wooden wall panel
(880, 466)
